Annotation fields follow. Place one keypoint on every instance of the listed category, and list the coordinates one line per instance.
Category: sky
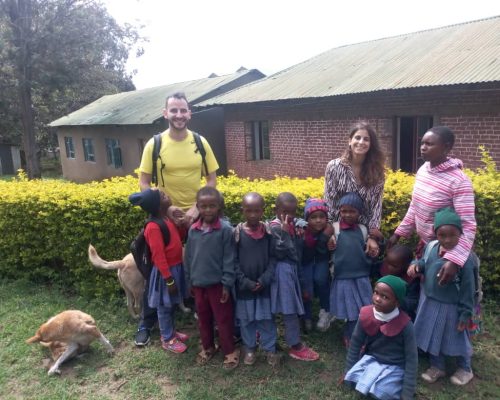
(191, 39)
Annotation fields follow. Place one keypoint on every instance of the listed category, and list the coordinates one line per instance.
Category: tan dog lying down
(130, 279)
(68, 334)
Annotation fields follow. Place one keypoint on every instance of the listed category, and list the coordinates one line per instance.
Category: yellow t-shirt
(183, 167)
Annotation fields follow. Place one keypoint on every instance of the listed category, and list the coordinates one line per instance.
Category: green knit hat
(447, 216)
(397, 285)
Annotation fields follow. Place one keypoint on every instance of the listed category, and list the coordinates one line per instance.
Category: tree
(55, 57)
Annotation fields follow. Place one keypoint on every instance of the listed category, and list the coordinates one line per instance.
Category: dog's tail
(98, 262)
(34, 339)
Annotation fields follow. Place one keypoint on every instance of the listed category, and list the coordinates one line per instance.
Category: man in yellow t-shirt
(180, 178)
(182, 162)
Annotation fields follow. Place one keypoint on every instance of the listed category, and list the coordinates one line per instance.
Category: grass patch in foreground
(151, 373)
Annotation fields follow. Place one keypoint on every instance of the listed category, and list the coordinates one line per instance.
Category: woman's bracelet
(170, 282)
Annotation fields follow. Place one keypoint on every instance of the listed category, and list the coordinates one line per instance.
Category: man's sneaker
(461, 377)
(174, 345)
(250, 358)
(181, 336)
(432, 375)
(324, 321)
(304, 354)
(273, 359)
(142, 337)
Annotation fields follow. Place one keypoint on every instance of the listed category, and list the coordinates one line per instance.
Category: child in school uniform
(255, 263)
(444, 311)
(209, 261)
(286, 296)
(351, 288)
(167, 282)
(314, 272)
(396, 262)
(387, 368)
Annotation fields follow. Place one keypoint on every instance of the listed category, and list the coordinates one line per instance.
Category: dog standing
(130, 280)
(129, 277)
(68, 334)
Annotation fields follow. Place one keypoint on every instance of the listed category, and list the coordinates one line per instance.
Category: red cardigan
(165, 256)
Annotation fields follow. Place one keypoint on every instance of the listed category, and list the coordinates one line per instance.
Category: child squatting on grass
(445, 310)
(351, 288)
(387, 368)
(255, 264)
(314, 273)
(167, 283)
(286, 296)
(209, 260)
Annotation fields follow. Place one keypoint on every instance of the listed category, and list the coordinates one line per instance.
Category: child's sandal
(204, 356)
(231, 361)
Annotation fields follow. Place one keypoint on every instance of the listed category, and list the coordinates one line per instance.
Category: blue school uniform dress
(158, 294)
(443, 307)
(286, 296)
(351, 288)
(388, 368)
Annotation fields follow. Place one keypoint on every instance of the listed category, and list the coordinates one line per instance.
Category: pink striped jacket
(445, 185)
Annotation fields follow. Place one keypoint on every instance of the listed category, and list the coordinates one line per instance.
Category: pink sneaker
(174, 345)
(181, 336)
(304, 354)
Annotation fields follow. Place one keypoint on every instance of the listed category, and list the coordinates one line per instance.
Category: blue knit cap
(352, 199)
(314, 205)
(148, 200)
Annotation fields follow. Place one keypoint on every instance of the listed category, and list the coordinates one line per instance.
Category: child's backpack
(156, 153)
(475, 324)
(336, 229)
(141, 251)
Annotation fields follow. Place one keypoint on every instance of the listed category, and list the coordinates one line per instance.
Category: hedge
(47, 225)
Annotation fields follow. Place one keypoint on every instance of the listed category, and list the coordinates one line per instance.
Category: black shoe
(142, 337)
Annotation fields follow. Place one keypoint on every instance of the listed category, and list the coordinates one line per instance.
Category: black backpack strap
(163, 227)
(156, 155)
(201, 149)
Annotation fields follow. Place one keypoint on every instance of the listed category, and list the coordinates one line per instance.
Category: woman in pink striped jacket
(439, 183)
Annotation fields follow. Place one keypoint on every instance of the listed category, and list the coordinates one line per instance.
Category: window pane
(248, 141)
(265, 141)
(117, 154)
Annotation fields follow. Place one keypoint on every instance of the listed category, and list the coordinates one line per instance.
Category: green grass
(151, 373)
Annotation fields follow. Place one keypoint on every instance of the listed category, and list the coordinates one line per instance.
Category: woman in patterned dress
(361, 170)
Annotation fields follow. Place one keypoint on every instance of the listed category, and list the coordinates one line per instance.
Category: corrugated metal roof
(457, 54)
(144, 106)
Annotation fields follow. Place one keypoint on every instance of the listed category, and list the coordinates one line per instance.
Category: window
(88, 150)
(70, 147)
(113, 153)
(257, 140)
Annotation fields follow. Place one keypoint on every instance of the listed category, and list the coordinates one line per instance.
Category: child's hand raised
(285, 222)
(225, 295)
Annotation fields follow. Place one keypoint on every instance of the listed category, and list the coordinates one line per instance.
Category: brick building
(295, 121)
(106, 137)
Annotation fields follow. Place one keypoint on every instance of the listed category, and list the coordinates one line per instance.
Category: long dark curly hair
(373, 170)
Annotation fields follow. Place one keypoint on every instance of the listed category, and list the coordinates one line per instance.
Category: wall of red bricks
(306, 135)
